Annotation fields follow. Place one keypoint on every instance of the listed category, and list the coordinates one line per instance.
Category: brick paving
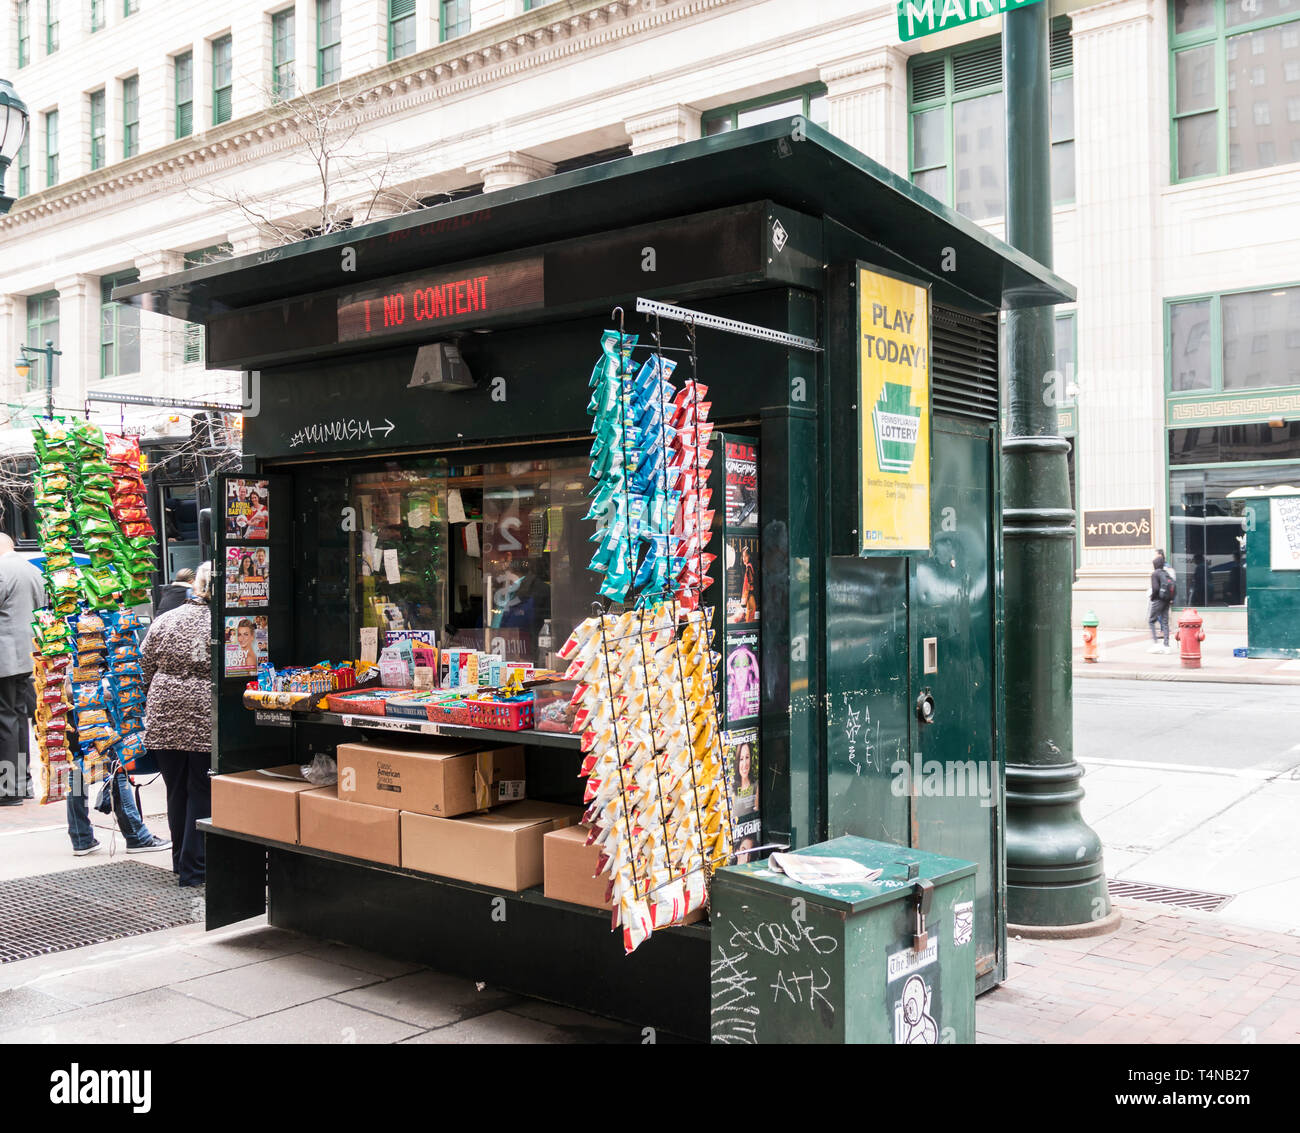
(1163, 977)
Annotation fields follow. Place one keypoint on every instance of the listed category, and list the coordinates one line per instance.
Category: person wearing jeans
(177, 664)
(139, 839)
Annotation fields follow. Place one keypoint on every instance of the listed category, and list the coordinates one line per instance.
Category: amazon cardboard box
(502, 848)
(441, 777)
(570, 867)
(326, 822)
(263, 803)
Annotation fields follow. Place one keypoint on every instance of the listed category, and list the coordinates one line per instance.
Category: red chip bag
(132, 530)
(122, 450)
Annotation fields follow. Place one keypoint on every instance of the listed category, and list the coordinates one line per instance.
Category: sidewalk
(1125, 656)
(1163, 977)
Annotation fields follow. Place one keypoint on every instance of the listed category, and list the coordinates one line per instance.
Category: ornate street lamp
(23, 367)
(13, 131)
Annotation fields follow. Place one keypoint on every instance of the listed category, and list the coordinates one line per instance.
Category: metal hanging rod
(716, 322)
(165, 402)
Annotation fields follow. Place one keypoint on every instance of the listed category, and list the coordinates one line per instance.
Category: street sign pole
(1055, 874)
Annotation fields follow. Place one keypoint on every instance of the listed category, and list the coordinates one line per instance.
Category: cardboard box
(263, 803)
(326, 822)
(502, 848)
(570, 865)
(441, 777)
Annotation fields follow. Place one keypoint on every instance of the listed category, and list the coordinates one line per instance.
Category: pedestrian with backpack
(1160, 598)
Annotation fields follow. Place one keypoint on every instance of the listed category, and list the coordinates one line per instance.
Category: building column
(78, 368)
(507, 170)
(12, 335)
(660, 129)
(867, 100)
(160, 336)
(1120, 63)
(249, 238)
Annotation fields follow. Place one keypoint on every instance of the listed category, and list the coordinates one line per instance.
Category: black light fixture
(13, 131)
(439, 366)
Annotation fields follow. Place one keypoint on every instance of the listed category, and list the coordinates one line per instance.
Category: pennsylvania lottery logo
(897, 424)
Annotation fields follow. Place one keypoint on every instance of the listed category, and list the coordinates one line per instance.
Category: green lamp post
(23, 367)
(1055, 873)
(13, 130)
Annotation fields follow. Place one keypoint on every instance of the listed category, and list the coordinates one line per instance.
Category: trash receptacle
(890, 960)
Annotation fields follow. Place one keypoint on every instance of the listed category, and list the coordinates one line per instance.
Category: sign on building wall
(1284, 533)
(893, 413)
(924, 17)
(1117, 527)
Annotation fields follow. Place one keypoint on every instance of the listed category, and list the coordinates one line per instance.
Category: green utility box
(1273, 574)
(885, 961)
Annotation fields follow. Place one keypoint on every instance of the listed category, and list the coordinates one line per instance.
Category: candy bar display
(656, 790)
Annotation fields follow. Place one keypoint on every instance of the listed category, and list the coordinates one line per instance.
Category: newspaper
(809, 870)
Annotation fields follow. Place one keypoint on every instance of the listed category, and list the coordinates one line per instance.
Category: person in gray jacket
(22, 592)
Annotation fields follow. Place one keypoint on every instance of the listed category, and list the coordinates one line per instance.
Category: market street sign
(925, 17)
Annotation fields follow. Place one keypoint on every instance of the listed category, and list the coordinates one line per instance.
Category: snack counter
(707, 431)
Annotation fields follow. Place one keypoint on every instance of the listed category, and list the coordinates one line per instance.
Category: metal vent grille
(977, 68)
(928, 80)
(964, 364)
(1167, 895)
(1062, 46)
(53, 912)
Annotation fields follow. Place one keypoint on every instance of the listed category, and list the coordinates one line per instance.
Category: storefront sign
(1117, 527)
(1284, 533)
(440, 300)
(893, 413)
(925, 17)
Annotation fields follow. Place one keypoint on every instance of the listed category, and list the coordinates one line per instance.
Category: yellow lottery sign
(894, 413)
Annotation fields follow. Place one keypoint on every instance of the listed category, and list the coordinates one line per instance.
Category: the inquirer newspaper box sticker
(904, 963)
(894, 413)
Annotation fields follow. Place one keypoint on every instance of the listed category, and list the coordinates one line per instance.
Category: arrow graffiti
(346, 429)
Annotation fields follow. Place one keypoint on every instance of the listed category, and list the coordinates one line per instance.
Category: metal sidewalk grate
(1167, 895)
(54, 912)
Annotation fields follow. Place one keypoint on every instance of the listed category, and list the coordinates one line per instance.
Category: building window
(401, 28)
(96, 14)
(119, 325)
(222, 70)
(1233, 69)
(192, 343)
(810, 101)
(130, 7)
(958, 124)
(529, 5)
(1241, 340)
(184, 77)
(51, 148)
(97, 101)
(42, 326)
(24, 32)
(455, 19)
(329, 42)
(131, 116)
(51, 26)
(282, 55)
(25, 165)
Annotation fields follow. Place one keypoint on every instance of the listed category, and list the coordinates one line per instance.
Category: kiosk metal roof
(816, 174)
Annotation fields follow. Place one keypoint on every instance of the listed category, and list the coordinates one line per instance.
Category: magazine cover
(247, 576)
(248, 509)
(246, 643)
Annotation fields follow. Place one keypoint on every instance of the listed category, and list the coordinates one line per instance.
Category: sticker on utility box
(510, 790)
(906, 962)
(963, 922)
(914, 1014)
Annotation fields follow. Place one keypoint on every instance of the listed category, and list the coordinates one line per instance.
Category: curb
(1208, 676)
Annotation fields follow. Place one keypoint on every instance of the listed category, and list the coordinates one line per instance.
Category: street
(1226, 726)
(1195, 785)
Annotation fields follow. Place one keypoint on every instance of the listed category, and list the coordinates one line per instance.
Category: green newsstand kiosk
(416, 462)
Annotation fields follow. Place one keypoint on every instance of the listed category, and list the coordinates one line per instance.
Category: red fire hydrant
(1190, 635)
(1090, 638)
